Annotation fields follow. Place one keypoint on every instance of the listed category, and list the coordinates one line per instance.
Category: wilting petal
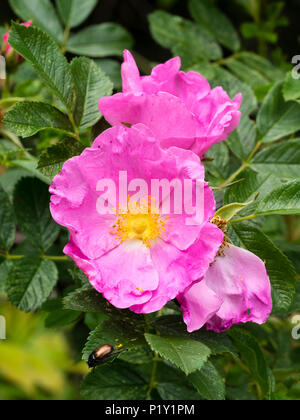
(198, 304)
(240, 281)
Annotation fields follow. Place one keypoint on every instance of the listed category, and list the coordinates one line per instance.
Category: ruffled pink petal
(240, 282)
(198, 304)
(241, 279)
(198, 119)
(130, 74)
(178, 269)
(218, 117)
(130, 274)
(165, 115)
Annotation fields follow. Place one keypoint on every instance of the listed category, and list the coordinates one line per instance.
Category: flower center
(139, 221)
(222, 224)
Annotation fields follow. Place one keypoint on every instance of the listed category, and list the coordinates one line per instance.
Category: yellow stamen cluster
(222, 224)
(140, 220)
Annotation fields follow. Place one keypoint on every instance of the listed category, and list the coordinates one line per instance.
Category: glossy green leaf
(5, 267)
(208, 383)
(187, 39)
(253, 357)
(251, 184)
(74, 12)
(212, 19)
(291, 87)
(115, 333)
(187, 354)
(173, 325)
(283, 200)
(31, 202)
(87, 299)
(46, 58)
(51, 160)
(91, 84)
(230, 210)
(28, 118)
(117, 381)
(7, 222)
(277, 118)
(282, 159)
(113, 69)
(106, 39)
(30, 282)
(41, 13)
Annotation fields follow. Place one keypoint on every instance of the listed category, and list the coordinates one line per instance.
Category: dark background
(133, 15)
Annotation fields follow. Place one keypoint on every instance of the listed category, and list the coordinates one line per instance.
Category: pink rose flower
(235, 289)
(180, 108)
(6, 45)
(138, 260)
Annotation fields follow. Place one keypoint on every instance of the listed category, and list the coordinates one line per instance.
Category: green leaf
(114, 333)
(212, 19)
(91, 84)
(30, 282)
(41, 13)
(87, 299)
(46, 58)
(113, 69)
(253, 69)
(208, 383)
(291, 88)
(219, 165)
(251, 184)
(253, 357)
(5, 268)
(283, 200)
(187, 39)
(230, 210)
(74, 12)
(101, 40)
(282, 159)
(189, 355)
(280, 270)
(243, 140)
(118, 381)
(57, 315)
(7, 222)
(233, 86)
(173, 384)
(217, 343)
(295, 306)
(277, 118)
(31, 202)
(30, 166)
(51, 160)
(28, 118)
(139, 355)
